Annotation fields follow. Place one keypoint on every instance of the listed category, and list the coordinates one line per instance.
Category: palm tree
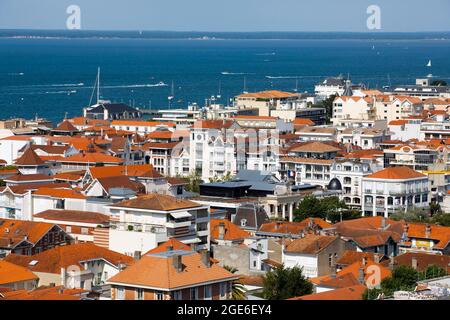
(238, 291)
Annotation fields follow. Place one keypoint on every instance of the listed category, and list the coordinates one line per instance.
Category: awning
(179, 215)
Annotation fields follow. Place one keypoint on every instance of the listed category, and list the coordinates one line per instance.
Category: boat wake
(233, 73)
(145, 85)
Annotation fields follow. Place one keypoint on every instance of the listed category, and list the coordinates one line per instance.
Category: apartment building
(394, 188)
(140, 224)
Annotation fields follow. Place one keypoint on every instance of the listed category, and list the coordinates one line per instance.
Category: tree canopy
(283, 283)
(329, 208)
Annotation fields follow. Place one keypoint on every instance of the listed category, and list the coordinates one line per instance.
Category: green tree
(411, 215)
(442, 219)
(328, 105)
(432, 272)
(310, 206)
(435, 208)
(329, 208)
(283, 283)
(402, 278)
(194, 181)
(238, 291)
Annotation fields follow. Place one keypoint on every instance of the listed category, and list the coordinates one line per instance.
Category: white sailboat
(429, 63)
(218, 94)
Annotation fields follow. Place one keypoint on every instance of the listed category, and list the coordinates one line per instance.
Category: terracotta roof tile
(157, 271)
(29, 158)
(396, 173)
(73, 216)
(11, 273)
(310, 244)
(52, 260)
(157, 202)
(349, 293)
(232, 231)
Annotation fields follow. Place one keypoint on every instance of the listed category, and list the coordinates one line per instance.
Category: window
(159, 295)
(140, 294)
(243, 222)
(84, 230)
(68, 229)
(176, 295)
(223, 290)
(120, 293)
(194, 294)
(208, 293)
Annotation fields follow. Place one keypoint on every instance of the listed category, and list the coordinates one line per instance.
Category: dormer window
(243, 222)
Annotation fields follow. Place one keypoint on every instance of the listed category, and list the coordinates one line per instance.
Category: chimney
(177, 263)
(364, 261)
(137, 255)
(361, 275)
(376, 258)
(427, 230)
(414, 263)
(221, 230)
(206, 259)
(383, 223)
(391, 262)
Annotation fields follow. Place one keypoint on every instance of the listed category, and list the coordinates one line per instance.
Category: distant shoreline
(218, 36)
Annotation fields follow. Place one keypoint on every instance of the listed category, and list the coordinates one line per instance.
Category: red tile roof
(232, 231)
(350, 293)
(74, 216)
(396, 173)
(29, 158)
(12, 273)
(52, 260)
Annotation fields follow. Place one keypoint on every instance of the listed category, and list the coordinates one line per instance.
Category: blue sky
(228, 15)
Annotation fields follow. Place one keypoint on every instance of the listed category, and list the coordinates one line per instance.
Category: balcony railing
(138, 227)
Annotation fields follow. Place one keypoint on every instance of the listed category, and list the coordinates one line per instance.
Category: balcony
(138, 227)
(8, 204)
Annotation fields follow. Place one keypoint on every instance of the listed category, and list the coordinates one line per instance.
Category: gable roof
(314, 147)
(310, 244)
(15, 231)
(52, 260)
(109, 183)
(59, 193)
(92, 157)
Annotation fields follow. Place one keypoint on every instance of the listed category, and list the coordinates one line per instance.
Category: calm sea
(50, 77)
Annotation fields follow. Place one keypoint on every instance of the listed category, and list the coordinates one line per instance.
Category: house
(293, 230)
(31, 163)
(394, 188)
(28, 237)
(316, 254)
(16, 277)
(427, 238)
(106, 110)
(142, 223)
(76, 266)
(82, 226)
(65, 128)
(419, 261)
(378, 235)
(250, 217)
(173, 275)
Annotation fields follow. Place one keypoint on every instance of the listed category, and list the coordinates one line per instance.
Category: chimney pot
(206, 258)
(414, 263)
(177, 263)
